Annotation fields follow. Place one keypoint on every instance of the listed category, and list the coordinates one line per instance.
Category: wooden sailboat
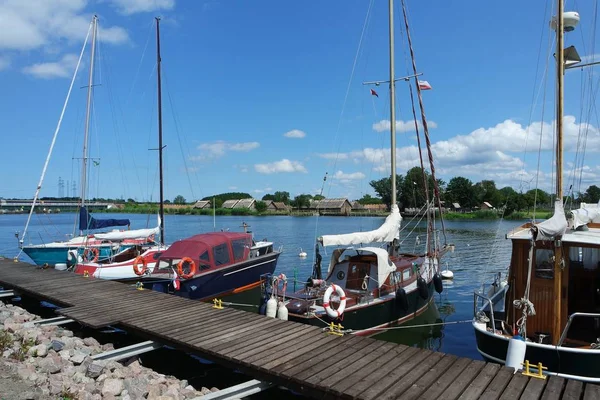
(88, 245)
(548, 309)
(367, 289)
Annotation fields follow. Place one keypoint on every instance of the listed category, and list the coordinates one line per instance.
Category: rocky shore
(49, 362)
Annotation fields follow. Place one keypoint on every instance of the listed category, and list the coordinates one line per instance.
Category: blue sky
(254, 95)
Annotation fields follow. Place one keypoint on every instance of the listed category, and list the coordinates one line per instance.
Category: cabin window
(221, 254)
(204, 261)
(584, 257)
(544, 263)
(406, 274)
(238, 246)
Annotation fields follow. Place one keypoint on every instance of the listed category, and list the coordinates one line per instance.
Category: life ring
(91, 250)
(340, 310)
(192, 265)
(136, 262)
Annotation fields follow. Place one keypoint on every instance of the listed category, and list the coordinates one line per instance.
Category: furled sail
(585, 214)
(129, 234)
(552, 228)
(86, 221)
(385, 233)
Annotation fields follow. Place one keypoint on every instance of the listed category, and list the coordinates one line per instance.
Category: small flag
(96, 163)
(176, 283)
(374, 93)
(424, 85)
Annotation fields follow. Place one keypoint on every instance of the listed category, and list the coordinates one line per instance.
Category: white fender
(327, 296)
(282, 311)
(271, 307)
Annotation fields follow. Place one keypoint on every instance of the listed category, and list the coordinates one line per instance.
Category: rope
(228, 303)
(409, 326)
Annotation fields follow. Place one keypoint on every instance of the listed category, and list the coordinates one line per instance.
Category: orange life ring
(136, 262)
(192, 270)
(91, 250)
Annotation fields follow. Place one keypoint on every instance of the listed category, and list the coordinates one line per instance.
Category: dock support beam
(7, 293)
(128, 351)
(238, 391)
(53, 321)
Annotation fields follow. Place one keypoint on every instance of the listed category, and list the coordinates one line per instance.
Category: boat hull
(569, 362)
(59, 255)
(373, 318)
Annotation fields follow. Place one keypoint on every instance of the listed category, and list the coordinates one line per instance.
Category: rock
(57, 345)
(50, 364)
(118, 373)
(25, 372)
(78, 357)
(135, 368)
(90, 341)
(126, 397)
(153, 391)
(137, 387)
(7, 353)
(112, 365)
(107, 347)
(55, 384)
(214, 389)
(41, 350)
(65, 354)
(66, 333)
(165, 398)
(101, 378)
(95, 369)
(205, 391)
(112, 386)
(183, 383)
(68, 341)
(108, 396)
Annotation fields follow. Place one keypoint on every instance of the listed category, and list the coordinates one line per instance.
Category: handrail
(475, 296)
(571, 317)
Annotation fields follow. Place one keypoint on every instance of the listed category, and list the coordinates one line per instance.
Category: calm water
(481, 251)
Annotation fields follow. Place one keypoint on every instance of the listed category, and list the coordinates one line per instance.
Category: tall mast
(392, 104)
(88, 110)
(160, 143)
(558, 256)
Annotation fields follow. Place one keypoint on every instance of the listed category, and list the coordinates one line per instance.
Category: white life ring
(340, 310)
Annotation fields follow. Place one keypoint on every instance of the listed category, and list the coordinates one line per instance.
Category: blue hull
(56, 255)
(226, 281)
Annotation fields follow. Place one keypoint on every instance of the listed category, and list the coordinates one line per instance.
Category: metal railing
(485, 298)
(563, 336)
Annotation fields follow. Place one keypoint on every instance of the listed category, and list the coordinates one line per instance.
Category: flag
(176, 283)
(424, 85)
(374, 93)
(96, 163)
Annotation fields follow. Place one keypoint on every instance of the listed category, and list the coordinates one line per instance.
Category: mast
(392, 105)
(558, 256)
(88, 110)
(160, 143)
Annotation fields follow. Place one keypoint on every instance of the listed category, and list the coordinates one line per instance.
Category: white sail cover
(130, 234)
(384, 265)
(586, 214)
(552, 228)
(385, 233)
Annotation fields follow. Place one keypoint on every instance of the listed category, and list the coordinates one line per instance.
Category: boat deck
(300, 357)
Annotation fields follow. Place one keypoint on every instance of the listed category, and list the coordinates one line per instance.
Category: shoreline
(49, 362)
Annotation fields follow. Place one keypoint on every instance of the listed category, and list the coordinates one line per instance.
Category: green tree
(130, 200)
(460, 190)
(368, 199)
(383, 188)
(261, 206)
(486, 191)
(592, 194)
(318, 197)
(509, 198)
(301, 201)
(179, 199)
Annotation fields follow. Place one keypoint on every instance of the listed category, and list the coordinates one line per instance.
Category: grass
(479, 215)
(6, 340)
(21, 353)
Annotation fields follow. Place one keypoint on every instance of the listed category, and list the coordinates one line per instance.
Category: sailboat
(368, 289)
(87, 246)
(547, 310)
(134, 262)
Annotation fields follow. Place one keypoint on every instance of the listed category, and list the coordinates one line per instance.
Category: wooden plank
(206, 332)
(278, 328)
(573, 390)
(337, 360)
(200, 328)
(277, 336)
(515, 387)
(498, 384)
(462, 381)
(592, 392)
(316, 345)
(363, 384)
(554, 388)
(402, 377)
(534, 389)
(429, 378)
(149, 323)
(449, 376)
(372, 364)
(250, 327)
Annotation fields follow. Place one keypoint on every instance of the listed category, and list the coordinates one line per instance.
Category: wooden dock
(300, 357)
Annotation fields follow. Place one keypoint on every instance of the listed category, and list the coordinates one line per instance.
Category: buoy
(447, 274)
(423, 290)
(515, 354)
(402, 299)
(437, 283)
(60, 266)
(302, 253)
(282, 311)
(272, 307)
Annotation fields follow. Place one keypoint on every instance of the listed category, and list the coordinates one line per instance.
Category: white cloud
(353, 176)
(128, 7)
(220, 147)
(233, 187)
(284, 165)
(4, 62)
(401, 126)
(295, 134)
(62, 68)
(258, 191)
(28, 25)
(334, 156)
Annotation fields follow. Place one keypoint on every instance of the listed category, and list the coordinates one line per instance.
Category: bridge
(49, 205)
